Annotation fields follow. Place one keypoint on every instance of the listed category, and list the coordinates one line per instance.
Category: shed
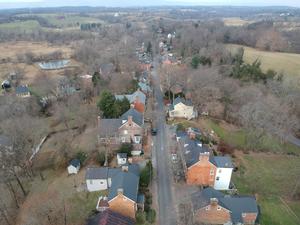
(74, 166)
(121, 158)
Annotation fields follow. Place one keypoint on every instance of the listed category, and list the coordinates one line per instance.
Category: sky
(124, 3)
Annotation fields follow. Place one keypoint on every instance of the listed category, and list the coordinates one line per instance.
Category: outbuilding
(74, 166)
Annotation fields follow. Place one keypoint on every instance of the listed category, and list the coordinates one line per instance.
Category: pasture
(286, 63)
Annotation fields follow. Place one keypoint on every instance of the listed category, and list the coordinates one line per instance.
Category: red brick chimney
(214, 201)
(204, 157)
(130, 120)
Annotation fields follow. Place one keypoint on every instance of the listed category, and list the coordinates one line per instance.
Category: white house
(182, 108)
(74, 166)
(121, 158)
(223, 172)
(98, 179)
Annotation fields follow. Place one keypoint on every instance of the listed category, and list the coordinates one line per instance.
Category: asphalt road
(167, 214)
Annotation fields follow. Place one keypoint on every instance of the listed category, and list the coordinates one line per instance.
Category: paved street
(167, 215)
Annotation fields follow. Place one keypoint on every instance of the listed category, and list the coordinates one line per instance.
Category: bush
(195, 61)
(101, 158)
(150, 216)
(146, 175)
(126, 148)
(82, 156)
(140, 218)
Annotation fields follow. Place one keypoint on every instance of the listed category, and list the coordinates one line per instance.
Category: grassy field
(286, 63)
(24, 26)
(235, 21)
(237, 138)
(273, 183)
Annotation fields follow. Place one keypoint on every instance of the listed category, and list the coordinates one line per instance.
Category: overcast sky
(124, 3)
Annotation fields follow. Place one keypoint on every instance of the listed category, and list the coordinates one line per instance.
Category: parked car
(153, 131)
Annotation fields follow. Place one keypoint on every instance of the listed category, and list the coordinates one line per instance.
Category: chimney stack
(125, 168)
(204, 156)
(214, 201)
(120, 191)
(130, 120)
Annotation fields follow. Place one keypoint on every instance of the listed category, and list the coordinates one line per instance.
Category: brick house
(122, 184)
(213, 207)
(109, 217)
(202, 167)
(126, 129)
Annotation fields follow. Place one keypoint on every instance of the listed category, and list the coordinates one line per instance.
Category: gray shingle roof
(192, 150)
(202, 198)
(133, 97)
(109, 127)
(137, 117)
(235, 204)
(93, 173)
(182, 100)
(23, 89)
(128, 181)
(222, 162)
(238, 205)
(75, 162)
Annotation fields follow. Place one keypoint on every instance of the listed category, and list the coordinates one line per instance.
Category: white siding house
(99, 179)
(223, 177)
(96, 184)
(223, 172)
(182, 109)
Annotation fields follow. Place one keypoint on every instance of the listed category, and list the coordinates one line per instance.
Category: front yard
(274, 179)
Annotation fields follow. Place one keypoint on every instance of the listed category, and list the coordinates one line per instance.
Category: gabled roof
(236, 204)
(109, 127)
(202, 198)
(222, 161)
(122, 155)
(126, 180)
(138, 95)
(109, 217)
(182, 100)
(74, 162)
(22, 89)
(137, 117)
(93, 173)
(191, 150)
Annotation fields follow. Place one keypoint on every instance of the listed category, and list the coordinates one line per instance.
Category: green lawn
(69, 20)
(29, 25)
(82, 205)
(239, 139)
(258, 174)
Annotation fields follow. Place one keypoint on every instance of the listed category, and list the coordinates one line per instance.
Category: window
(101, 182)
(125, 132)
(123, 139)
(91, 182)
(218, 208)
(212, 172)
(137, 139)
(207, 207)
(218, 178)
